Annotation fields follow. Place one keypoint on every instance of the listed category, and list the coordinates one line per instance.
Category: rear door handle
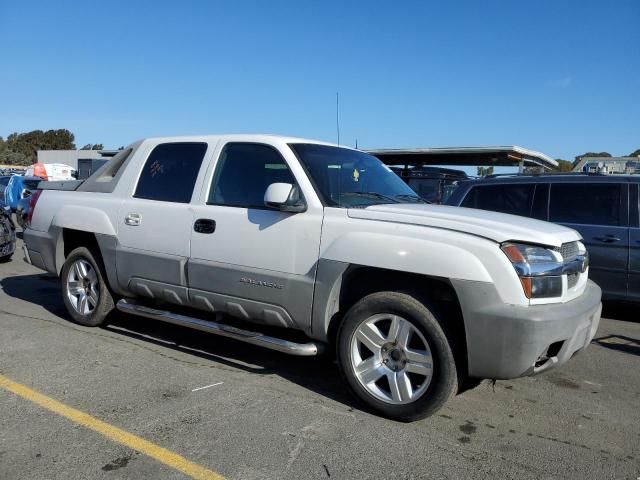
(607, 239)
(133, 219)
(204, 225)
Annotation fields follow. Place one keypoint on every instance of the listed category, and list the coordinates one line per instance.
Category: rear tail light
(32, 205)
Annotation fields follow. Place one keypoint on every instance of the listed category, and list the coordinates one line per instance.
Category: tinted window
(170, 172)
(634, 204)
(244, 172)
(427, 188)
(540, 201)
(31, 184)
(514, 199)
(586, 203)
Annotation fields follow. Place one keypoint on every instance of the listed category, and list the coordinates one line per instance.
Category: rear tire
(84, 289)
(395, 356)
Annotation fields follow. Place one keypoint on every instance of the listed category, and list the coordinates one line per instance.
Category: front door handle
(133, 219)
(607, 239)
(204, 225)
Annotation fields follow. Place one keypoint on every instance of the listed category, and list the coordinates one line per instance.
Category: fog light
(542, 287)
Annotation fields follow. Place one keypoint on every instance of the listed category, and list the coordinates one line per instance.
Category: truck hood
(499, 227)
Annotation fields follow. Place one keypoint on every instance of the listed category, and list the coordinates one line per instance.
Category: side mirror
(284, 197)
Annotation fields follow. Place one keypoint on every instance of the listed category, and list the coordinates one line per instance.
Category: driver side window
(243, 173)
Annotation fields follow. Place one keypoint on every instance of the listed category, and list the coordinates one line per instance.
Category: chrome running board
(255, 338)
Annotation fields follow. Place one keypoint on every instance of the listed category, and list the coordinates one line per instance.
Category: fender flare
(413, 255)
(81, 218)
(86, 219)
(389, 252)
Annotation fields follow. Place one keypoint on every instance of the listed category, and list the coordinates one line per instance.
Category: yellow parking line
(152, 450)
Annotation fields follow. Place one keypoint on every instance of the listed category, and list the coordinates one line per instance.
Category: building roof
(504, 156)
(604, 160)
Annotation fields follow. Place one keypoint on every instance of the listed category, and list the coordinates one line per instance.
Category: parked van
(51, 171)
(603, 208)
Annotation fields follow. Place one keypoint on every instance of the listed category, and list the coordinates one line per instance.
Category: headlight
(540, 269)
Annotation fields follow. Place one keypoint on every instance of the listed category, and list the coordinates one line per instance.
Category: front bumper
(509, 341)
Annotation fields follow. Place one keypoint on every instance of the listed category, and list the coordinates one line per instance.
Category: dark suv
(433, 184)
(603, 208)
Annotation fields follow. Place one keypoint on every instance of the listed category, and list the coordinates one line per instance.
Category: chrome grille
(569, 251)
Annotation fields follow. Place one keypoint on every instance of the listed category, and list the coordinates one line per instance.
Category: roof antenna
(338, 115)
(356, 143)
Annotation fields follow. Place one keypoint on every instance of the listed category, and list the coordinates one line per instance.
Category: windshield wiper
(415, 198)
(374, 195)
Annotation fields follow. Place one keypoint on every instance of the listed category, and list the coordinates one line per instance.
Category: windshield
(349, 178)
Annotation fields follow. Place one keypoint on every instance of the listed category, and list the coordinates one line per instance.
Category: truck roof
(240, 137)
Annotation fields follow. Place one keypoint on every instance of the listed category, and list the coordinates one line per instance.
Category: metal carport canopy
(510, 156)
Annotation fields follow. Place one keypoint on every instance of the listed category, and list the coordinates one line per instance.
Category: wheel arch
(353, 282)
(102, 246)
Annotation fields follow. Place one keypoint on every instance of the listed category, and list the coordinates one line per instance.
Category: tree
(93, 146)
(22, 148)
(484, 171)
(563, 165)
(632, 154)
(29, 143)
(7, 157)
(595, 154)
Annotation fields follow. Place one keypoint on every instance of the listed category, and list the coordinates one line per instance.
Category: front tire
(395, 356)
(84, 289)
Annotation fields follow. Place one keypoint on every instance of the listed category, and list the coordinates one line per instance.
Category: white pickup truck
(285, 235)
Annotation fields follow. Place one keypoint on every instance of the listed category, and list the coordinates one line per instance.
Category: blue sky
(562, 77)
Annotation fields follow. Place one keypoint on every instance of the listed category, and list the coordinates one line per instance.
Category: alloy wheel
(391, 359)
(83, 290)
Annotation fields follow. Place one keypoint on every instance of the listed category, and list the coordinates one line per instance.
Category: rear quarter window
(170, 172)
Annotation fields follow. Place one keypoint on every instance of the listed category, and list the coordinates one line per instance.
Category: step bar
(255, 338)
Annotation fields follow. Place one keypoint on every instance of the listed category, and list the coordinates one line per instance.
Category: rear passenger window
(244, 172)
(170, 172)
(586, 203)
(514, 199)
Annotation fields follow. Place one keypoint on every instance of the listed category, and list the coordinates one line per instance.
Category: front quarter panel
(418, 249)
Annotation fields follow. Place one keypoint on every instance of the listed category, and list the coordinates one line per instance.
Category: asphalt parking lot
(265, 415)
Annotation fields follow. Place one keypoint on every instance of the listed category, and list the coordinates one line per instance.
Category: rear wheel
(396, 357)
(84, 289)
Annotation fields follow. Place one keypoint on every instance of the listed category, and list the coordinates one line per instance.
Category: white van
(51, 171)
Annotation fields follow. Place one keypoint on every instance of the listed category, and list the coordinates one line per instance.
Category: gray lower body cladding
(509, 341)
(42, 250)
(266, 296)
